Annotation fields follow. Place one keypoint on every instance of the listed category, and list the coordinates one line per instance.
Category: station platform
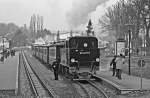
(8, 74)
(127, 83)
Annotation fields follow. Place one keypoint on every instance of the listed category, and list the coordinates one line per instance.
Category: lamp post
(145, 35)
(129, 43)
(3, 44)
(129, 51)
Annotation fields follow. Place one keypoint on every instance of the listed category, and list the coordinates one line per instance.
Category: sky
(57, 14)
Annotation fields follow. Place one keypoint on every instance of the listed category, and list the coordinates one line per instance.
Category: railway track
(63, 88)
(86, 93)
(79, 90)
(103, 94)
(38, 87)
(92, 90)
(83, 88)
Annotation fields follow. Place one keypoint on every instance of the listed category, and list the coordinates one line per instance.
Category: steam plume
(80, 11)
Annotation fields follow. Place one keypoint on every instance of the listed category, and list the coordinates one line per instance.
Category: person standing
(113, 63)
(55, 66)
(119, 63)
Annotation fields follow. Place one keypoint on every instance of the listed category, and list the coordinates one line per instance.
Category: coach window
(74, 43)
(45, 51)
(93, 44)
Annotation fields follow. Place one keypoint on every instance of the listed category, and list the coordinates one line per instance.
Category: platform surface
(127, 82)
(8, 73)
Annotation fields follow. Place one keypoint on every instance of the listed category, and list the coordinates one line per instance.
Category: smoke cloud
(80, 11)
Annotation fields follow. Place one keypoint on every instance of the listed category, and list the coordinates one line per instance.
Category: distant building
(89, 30)
(50, 38)
(39, 41)
(103, 43)
(4, 43)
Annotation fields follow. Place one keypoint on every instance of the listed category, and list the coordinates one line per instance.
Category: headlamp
(97, 60)
(72, 60)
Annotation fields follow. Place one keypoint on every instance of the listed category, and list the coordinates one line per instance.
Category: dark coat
(113, 62)
(55, 65)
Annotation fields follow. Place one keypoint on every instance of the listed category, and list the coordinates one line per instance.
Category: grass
(135, 69)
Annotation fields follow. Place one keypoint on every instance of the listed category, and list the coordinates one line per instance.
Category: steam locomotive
(79, 56)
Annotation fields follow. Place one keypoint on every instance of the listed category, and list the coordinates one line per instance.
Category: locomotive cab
(80, 56)
(84, 54)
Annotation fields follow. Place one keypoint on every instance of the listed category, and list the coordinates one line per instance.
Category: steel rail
(30, 79)
(83, 88)
(98, 88)
(50, 92)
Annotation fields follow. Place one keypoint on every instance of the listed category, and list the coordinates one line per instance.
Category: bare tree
(120, 18)
(36, 26)
(143, 20)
